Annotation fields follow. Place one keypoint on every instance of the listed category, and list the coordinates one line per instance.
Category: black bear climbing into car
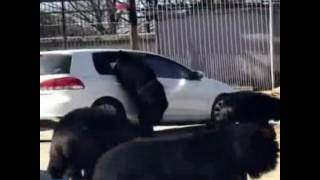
(141, 83)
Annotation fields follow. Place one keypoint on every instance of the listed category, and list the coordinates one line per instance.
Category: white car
(71, 79)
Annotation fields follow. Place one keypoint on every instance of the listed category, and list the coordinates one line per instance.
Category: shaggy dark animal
(81, 137)
(245, 106)
(139, 80)
(226, 154)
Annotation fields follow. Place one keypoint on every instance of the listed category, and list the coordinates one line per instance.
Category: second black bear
(245, 106)
(81, 137)
(226, 154)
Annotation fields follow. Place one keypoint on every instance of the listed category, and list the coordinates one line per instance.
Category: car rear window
(55, 64)
(102, 61)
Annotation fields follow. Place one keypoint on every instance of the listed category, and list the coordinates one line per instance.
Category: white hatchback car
(71, 79)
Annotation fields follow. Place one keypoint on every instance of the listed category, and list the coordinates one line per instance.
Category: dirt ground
(44, 158)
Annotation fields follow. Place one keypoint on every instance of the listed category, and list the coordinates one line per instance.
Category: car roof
(77, 51)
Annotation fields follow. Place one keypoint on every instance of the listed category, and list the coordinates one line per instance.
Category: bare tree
(99, 14)
(45, 18)
(48, 25)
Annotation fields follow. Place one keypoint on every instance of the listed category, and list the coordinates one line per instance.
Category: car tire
(111, 105)
(215, 109)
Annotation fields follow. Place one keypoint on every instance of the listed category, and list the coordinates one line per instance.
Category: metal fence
(229, 40)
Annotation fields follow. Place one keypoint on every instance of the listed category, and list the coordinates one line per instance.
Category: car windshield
(54, 64)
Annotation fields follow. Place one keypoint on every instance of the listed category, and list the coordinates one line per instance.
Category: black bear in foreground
(141, 83)
(81, 137)
(225, 154)
(245, 106)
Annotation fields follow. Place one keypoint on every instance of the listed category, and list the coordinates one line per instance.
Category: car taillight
(62, 84)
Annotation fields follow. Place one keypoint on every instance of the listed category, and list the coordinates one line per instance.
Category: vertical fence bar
(63, 24)
(271, 41)
(156, 23)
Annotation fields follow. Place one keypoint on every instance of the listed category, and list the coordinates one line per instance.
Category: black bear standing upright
(139, 80)
(246, 106)
(81, 137)
(226, 154)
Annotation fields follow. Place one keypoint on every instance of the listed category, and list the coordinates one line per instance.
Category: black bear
(141, 83)
(225, 154)
(81, 137)
(245, 106)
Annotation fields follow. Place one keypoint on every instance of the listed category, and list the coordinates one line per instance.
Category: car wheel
(216, 111)
(111, 105)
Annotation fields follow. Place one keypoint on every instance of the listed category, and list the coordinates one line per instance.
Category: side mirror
(197, 75)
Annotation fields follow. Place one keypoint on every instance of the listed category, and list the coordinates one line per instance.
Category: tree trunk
(113, 22)
(112, 29)
(133, 25)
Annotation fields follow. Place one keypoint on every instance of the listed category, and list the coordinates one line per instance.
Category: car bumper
(55, 105)
(49, 118)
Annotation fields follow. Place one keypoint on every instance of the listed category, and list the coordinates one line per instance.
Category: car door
(106, 83)
(187, 100)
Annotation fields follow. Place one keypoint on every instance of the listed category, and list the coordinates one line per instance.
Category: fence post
(63, 25)
(271, 41)
(157, 34)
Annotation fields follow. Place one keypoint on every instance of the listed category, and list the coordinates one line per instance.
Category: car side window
(102, 62)
(166, 68)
